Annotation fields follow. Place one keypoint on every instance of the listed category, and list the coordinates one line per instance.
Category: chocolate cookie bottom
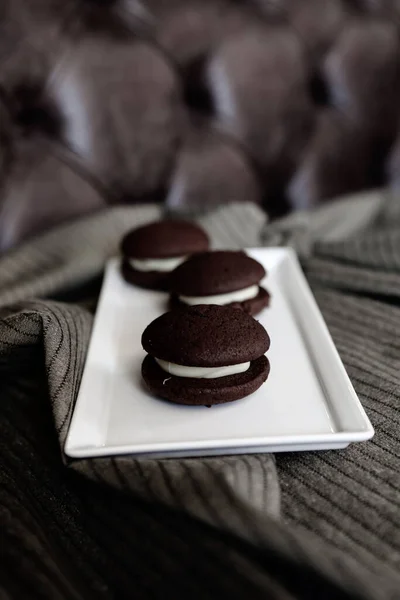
(251, 307)
(195, 392)
(152, 280)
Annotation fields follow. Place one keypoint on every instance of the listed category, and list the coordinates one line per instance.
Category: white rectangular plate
(308, 402)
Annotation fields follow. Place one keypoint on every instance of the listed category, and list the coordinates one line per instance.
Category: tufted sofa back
(285, 103)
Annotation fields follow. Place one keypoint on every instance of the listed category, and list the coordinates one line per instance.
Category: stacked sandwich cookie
(220, 277)
(208, 350)
(150, 253)
(205, 355)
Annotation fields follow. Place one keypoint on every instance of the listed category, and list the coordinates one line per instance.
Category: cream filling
(201, 372)
(164, 265)
(238, 296)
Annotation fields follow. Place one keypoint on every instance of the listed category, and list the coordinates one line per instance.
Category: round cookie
(151, 252)
(205, 355)
(221, 277)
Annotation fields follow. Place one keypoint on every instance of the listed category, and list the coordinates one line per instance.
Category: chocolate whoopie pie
(221, 277)
(204, 355)
(151, 252)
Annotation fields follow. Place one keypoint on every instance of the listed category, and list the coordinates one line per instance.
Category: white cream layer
(237, 296)
(201, 372)
(164, 265)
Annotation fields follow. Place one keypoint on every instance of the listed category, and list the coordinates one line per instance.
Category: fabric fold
(321, 524)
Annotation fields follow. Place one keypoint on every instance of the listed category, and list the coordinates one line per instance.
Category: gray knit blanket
(304, 525)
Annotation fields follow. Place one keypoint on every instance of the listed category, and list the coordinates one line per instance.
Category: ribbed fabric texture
(310, 525)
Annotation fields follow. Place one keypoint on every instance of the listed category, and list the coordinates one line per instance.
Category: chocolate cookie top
(164, 239)
(206, 336)
(217, 272)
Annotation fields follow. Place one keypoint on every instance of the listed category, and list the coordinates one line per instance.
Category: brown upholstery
(286, 103)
